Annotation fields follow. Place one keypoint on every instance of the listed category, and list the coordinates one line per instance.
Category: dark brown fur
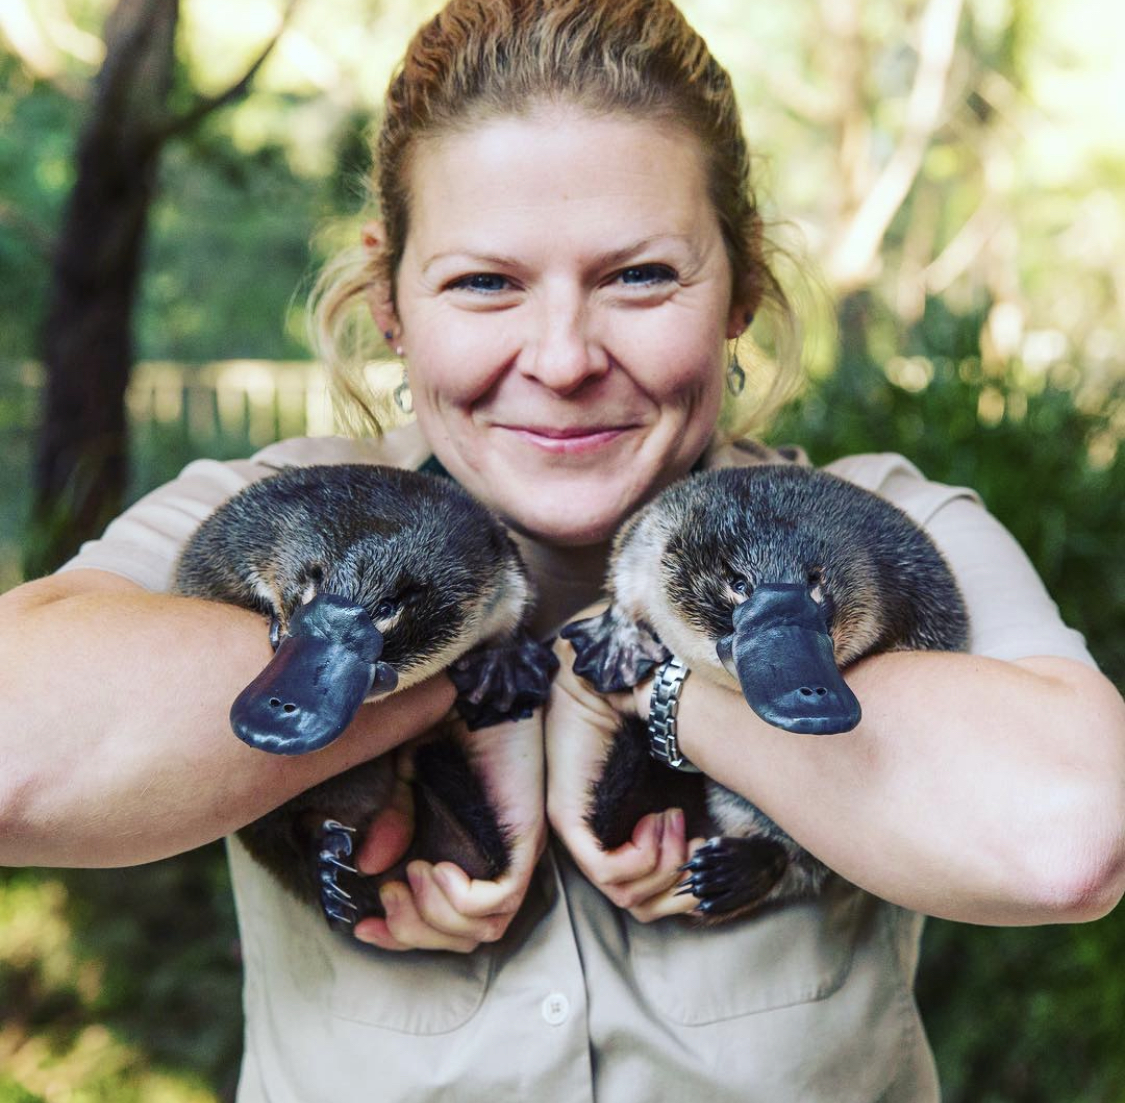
(369, 534)
(879, 578)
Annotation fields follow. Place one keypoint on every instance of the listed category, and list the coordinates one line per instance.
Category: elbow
(15, 798)
(1080, 872)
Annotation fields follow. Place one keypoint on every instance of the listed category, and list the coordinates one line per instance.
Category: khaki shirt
(811, 1003)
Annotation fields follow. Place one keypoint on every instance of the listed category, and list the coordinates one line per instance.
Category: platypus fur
(374, 578)
(769, 578)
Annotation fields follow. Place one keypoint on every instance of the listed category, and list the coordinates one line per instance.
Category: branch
(787, 88)
(205, 105)
(38, 53)
(959, 255)
(855, 254)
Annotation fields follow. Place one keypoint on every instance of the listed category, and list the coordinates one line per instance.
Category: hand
(441, 908)
(643, 875)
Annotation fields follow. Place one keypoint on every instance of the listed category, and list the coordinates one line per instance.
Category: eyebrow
(615, 256)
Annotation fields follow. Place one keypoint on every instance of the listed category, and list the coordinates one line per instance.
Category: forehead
(606, 175)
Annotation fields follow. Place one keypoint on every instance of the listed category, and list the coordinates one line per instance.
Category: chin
(569, 520)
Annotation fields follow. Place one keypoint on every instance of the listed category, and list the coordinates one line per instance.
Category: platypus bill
(771, 578)
(373, 579)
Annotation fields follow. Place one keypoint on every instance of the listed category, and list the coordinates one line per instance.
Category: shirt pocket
(794, 954)
(417, 992)
(293, 961)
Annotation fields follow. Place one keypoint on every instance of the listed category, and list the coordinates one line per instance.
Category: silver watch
(662, 708)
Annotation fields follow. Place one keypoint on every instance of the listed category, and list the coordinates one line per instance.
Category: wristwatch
(662, 708)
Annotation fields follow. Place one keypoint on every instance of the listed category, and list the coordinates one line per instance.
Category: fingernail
(390, 897)
(444, 878)
(416, 875)
(676, 821)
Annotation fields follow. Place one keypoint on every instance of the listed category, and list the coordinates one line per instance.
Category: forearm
(973, 789)
(114, 726)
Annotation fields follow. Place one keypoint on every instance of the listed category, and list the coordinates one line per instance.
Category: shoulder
(144, 543)
(404, 447)
(895, 478)
(887, 474)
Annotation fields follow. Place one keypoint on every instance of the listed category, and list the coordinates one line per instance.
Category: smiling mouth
(568, 440)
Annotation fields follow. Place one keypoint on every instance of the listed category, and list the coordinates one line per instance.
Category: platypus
(373, 579)
(768, 578)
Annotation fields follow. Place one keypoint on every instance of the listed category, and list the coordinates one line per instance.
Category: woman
(567, 250)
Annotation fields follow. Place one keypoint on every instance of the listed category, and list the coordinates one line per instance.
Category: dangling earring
(403, 397)
(736, 377)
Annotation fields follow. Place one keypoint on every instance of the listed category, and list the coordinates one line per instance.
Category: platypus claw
(613, 652)
(503, 683)
(335, 843)
(730, 874)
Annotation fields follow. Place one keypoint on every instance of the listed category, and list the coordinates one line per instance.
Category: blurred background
(952, 173)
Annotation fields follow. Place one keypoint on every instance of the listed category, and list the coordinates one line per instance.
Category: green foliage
(1014, 1015)
(122, 984)
(1026, 452)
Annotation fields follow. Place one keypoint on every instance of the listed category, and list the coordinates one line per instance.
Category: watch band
(662, 708)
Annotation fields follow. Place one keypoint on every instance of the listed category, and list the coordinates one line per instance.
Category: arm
(974, 789)
(113, 723)
(984, 789)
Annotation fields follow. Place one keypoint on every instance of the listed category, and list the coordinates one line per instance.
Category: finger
(375, 932)
(438, 911)
(677, 899)
(407, 927)
(664, 905)
(628, 863)
(389, 833)
(673, 853)
(481, 899)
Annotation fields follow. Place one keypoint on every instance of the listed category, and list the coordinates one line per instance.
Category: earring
(736, 377)
(403, 399)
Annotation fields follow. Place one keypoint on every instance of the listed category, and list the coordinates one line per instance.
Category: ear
(378, 294)
(744, 305)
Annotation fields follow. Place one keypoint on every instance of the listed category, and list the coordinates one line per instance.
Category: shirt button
(555, 1008)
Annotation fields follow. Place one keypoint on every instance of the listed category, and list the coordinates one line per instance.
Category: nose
(563, 353)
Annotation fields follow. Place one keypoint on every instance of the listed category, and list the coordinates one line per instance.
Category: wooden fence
(176, 412)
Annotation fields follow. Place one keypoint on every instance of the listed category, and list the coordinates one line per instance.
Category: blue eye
(641, 275)
(487, 282)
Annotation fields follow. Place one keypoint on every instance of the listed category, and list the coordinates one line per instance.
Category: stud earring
(736, 377)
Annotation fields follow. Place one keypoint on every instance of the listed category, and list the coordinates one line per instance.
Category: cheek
(453, 357)
(674, 364)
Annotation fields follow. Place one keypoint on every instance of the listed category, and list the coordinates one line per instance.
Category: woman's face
(562, 302)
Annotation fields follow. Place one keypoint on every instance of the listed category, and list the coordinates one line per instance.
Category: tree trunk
(81, 465)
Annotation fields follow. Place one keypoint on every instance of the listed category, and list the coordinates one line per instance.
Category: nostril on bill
(288, 706)
(806, 691)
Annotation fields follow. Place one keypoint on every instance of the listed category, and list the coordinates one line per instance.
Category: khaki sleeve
(1011, 614)
(144, 543)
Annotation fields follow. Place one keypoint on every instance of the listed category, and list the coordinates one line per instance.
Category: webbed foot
(503, 683)
(614, 652)
(729, 874)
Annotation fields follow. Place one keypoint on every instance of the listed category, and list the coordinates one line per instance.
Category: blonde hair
(479, 60)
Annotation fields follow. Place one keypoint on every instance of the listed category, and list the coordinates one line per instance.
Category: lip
(570, 440)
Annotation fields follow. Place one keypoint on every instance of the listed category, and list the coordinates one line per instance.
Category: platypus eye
(739, 585)
(386, 609)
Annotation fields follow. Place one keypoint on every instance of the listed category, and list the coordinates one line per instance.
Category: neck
(566, 579)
